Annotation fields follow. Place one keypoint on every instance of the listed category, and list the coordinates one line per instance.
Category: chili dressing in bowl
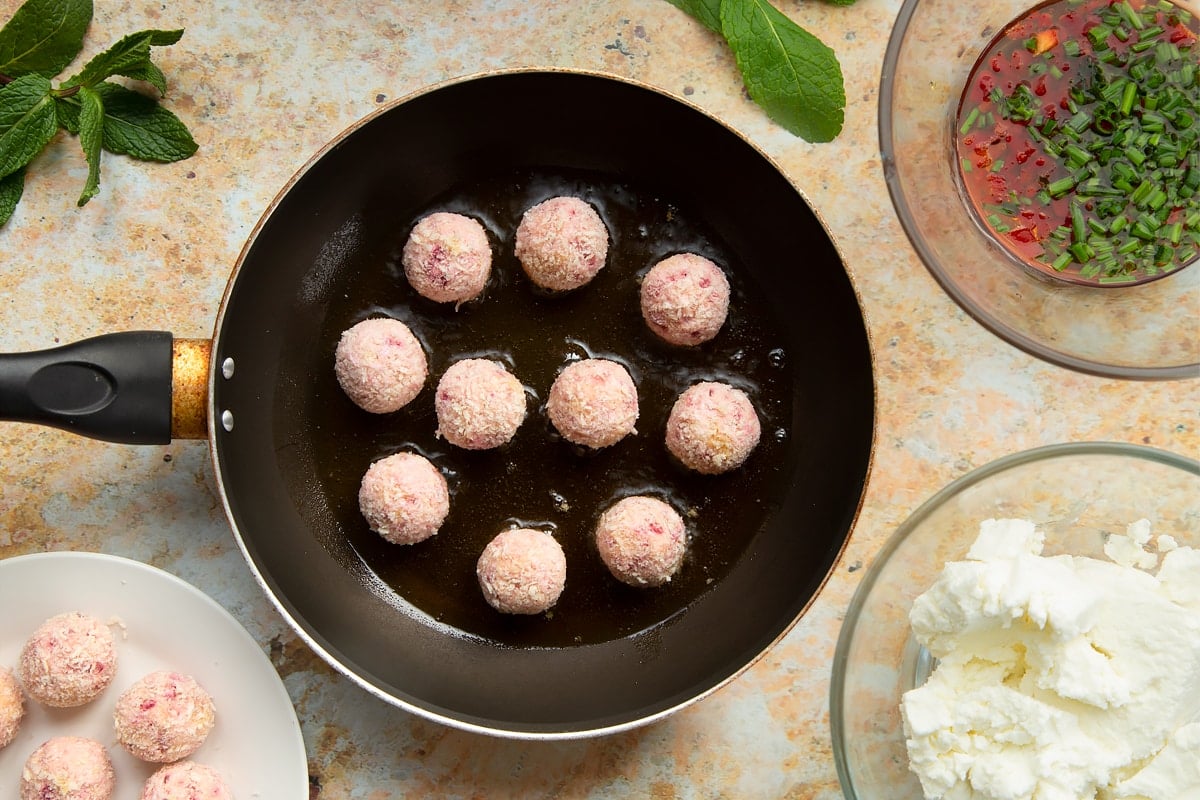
(1078, 140)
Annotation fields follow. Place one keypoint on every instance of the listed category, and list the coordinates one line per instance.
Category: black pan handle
(115, 387)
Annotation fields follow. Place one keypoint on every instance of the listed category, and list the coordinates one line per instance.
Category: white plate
(159, 622)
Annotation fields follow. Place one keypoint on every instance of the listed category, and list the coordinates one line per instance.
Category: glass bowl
(1149, 331)
(1077, 493)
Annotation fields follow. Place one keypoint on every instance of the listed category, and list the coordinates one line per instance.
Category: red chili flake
(996, 63)
(1023, 235)
(986, 82)
(1024, 155)
(1039, 86)
(148, 704)
(1039, 162)
(999, 187)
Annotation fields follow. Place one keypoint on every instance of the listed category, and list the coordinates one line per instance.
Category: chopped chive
(970, 120)
(1132, 17)
(1141, 192)
(1128, 95)
(1076, 155)
(1099, 34)
(1059, 187)
(1078, 228)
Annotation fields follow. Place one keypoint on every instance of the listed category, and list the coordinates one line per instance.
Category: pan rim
(280, 604)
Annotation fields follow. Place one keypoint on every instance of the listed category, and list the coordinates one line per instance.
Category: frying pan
(262, 393)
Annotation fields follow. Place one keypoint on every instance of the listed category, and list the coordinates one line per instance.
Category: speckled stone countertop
(263, 86)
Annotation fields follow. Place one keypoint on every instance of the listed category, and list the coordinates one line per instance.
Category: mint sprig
(794, 76)
(40, 40)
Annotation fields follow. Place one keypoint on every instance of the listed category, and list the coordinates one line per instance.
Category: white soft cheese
(1173, 773)
(1130, 550)
(1059, 677)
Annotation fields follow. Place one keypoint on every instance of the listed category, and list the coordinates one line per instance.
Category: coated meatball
(593, 403)
(186, 780)
(68, 661)
(380, 365)
(522, 571)
(68, 768)
(447, 258)
(163, 717)
(712, 428)
(685, 299)
(641, 540)
(12, 707)
(479, 404)
(561, 243)
(404, 498)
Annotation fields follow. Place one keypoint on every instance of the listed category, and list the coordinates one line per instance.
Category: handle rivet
(227, 420)
(227, 368)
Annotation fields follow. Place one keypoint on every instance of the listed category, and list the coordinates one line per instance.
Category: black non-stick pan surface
(408, 623)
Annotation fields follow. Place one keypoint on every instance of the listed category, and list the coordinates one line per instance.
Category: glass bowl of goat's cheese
(1031, 632)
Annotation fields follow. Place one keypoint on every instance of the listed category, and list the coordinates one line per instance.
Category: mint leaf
(787, 70)
(66, 109)
(11, 189)
(707, 11)
(91, 136)
(151, 75)
(130, 54)
(27, 121)
(137, 126)
(43, 37)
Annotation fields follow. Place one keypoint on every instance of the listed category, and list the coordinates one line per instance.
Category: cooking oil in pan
(539, 480)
